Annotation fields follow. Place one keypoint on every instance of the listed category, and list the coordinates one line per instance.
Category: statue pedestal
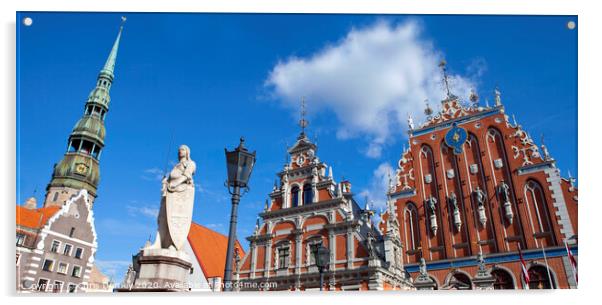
(483, 280)
(160, 270)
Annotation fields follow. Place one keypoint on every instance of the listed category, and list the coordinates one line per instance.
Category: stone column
(268, 259)
(333, 248)
(253, 258)
(349, 247)
(298, 250)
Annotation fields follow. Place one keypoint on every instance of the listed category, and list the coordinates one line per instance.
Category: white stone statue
(480, 198)
(410, 122)
(422, 267)
(177, 201)
(453, 200)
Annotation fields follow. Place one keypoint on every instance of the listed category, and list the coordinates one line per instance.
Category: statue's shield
(178, 206)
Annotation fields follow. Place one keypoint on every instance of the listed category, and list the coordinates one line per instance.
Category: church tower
(79, 168)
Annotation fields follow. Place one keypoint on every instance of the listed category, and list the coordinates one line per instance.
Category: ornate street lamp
(240, 164)
(322, 261)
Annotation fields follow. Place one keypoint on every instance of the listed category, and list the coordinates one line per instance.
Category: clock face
(81, 168)
(300, 160)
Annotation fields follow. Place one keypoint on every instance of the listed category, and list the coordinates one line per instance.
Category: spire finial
(109, 66)
(498, 96)
(428, 111)
(303, 122)
(442, 65)
(474, 98)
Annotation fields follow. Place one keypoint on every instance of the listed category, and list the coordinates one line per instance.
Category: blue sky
(206, 79)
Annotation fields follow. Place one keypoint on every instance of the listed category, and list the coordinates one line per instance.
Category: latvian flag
(572, 260)
(523, 267)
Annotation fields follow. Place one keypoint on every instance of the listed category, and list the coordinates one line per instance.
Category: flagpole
(545, 259)
(523, 269)
(570, 259)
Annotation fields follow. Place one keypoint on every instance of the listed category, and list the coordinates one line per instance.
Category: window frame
(57, 247)
(51, 269)
(308, 194)
(295, 193)
(70, 249)
(69, 288)
(54, 285)
(24, 237)
(81, 255)
(283, 260)
(79, 273)
(59, 267)
(39, 285)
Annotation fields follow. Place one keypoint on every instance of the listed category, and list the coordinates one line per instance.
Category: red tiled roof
(35, 219)
(210, 247)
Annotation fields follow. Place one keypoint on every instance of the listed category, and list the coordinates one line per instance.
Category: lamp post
(239, 163)
(322, 261)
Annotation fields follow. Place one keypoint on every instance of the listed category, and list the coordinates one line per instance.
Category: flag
(523, 267)
(571, 260)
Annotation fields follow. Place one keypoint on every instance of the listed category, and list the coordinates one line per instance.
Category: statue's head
(183, 153)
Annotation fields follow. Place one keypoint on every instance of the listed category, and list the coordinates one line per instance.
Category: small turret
(31, 203)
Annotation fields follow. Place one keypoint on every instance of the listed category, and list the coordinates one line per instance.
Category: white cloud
(150, 211)
(152, 174)
(115, 270)
(377, 189)
(371, 80)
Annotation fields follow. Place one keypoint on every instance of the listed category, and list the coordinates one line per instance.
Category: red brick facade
(524, 201)
(307, 208)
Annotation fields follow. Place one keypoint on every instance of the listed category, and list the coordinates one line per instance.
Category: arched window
(539, 279)
(503, 279)
(411, 228)
(308, 195)
(295, 196)
(538, 212)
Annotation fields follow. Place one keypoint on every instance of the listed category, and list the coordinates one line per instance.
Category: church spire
(79, 168)
(109, 66)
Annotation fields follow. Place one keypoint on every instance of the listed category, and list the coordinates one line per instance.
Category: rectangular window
(72, 232)
(57, 287)
(20, 239)
(79, 252)
(63, 267)
(314, 251)
(42, 284)
(72, 288)
(18, 256)
(67, 249)
(77, 271)
(55, 246)
(283, 257)
(48, 265)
